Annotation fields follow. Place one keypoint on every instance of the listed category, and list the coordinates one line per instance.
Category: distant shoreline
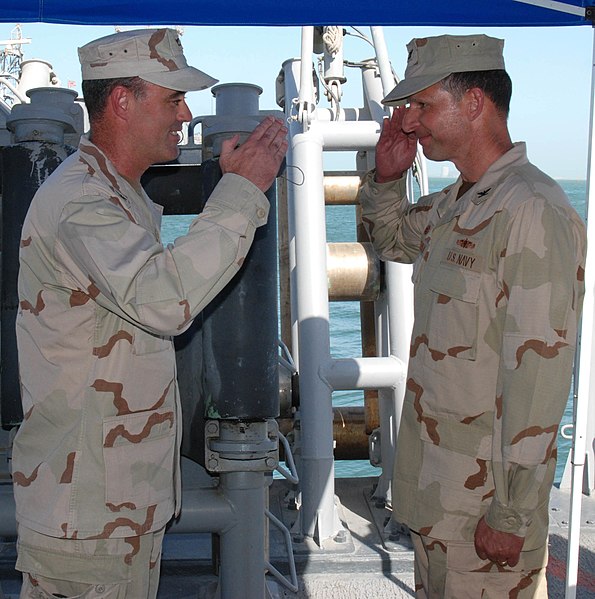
(452, 178)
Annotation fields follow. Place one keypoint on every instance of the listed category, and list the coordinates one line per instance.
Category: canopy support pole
(583, 417)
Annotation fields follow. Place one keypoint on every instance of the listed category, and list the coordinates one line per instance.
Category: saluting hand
(395, 150)
(258, 159)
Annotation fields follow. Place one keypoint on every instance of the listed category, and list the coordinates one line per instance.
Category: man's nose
(184, 113)
(410, 119)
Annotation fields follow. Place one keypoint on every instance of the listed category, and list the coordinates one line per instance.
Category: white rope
(332, 38)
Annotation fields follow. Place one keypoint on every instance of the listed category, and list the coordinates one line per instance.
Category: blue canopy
(505, 13)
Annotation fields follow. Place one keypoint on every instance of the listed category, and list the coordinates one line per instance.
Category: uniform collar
(483, 189)
(449, 206)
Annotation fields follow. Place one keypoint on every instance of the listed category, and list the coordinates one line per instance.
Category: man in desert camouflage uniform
(498, 275)
(96, 461)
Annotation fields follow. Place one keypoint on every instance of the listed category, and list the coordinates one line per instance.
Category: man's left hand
(503, 548)
(259, 158)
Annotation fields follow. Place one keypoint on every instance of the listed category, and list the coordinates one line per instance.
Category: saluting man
(499, 279)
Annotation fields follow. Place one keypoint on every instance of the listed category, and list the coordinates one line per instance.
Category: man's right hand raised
(259, 158)
(395, 150)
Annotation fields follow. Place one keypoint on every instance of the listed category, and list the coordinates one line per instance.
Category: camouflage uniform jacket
(498, 279)
(97, 455)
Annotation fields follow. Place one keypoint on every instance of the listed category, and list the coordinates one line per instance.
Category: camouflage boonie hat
(431, 59)
(154, 55)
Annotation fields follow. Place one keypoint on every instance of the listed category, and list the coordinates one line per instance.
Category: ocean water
(344, 316)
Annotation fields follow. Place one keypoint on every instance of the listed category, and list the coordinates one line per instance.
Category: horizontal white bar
(364, 373)
(340, 135)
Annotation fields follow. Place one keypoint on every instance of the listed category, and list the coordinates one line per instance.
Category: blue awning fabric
(487, 13)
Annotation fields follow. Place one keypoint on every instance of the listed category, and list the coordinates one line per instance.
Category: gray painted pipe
(203, 510)
(242, 549)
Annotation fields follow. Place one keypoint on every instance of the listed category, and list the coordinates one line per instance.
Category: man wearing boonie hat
(96, 460)
(498, 263)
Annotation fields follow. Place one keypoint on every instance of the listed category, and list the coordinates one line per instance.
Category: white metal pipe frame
(319, 373)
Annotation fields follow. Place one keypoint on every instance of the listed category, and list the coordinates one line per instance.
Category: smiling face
(439, 122)
(157, 119)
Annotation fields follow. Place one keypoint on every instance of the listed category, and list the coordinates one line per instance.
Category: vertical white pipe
(387, 413)
(396, 315)
(400, 305)
(586, 385)
(386, 75)
(318, 517)
(373, 92)
(295, 178)
(306, 100)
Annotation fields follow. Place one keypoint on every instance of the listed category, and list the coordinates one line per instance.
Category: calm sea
(344, 316)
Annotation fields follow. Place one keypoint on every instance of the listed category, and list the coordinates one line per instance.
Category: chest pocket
(453, 315)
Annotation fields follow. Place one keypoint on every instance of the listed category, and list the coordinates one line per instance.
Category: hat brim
(187, 79)
(409, 86)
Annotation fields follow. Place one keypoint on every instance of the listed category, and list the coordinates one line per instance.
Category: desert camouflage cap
(155, 55)
(431, 59)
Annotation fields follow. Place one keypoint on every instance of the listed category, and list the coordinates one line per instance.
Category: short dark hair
(496, 85)
(97, 91)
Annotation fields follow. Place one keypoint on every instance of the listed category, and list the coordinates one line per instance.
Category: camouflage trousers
(126, 568)
(452, 570)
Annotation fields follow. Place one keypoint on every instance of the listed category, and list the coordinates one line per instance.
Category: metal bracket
(234, 446)
(590, 14)
(291, 584)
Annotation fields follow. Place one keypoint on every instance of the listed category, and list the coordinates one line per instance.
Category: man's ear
(119, 101)
(475, 99)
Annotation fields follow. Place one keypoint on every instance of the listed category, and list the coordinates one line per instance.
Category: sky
(551, 71)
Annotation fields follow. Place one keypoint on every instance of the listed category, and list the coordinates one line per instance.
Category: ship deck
(367, 561)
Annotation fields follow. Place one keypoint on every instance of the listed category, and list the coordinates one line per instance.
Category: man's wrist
(507, 519)
(387, 179)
